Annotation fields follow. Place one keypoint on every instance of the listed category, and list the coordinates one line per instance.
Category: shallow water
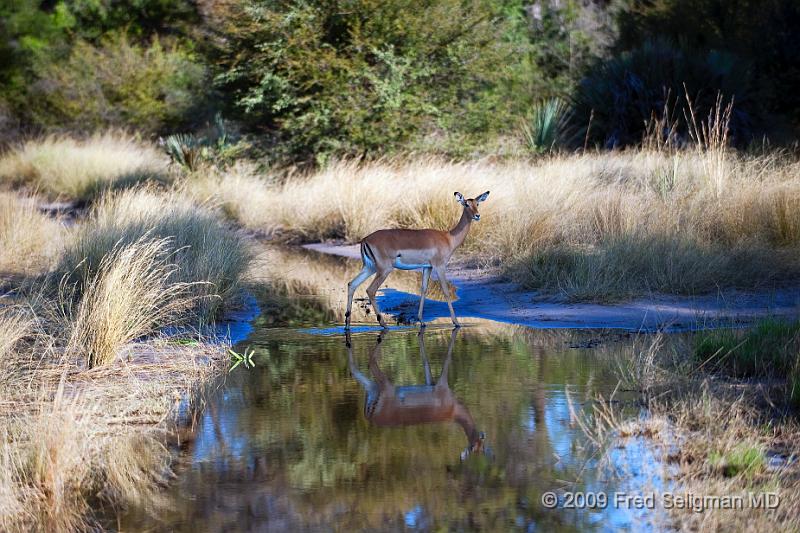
(320, 435)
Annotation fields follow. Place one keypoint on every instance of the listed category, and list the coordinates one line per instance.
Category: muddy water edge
(306, 439)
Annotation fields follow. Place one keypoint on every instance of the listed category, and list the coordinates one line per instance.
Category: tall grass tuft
(239, 191)
(29, 240)
(81, 169)
(15, 326)
(208, 255)
(711, 138)
(60, 438)
(130, 294)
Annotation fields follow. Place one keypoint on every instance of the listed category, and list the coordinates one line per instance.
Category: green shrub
(118, 83)
(618, 97)
(364, 77)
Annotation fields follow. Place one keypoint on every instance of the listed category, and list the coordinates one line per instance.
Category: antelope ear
(482, 197)
(460, 199)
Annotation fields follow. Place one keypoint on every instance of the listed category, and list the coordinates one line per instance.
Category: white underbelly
(410, 266)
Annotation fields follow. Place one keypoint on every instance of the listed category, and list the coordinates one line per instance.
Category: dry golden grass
(594, 226)
(714, 437)
(238, 191)
(29, 240)
(131, 295)
(724, 440)
(80, 169)
(208, 255)
(74, 439)
(15, 326)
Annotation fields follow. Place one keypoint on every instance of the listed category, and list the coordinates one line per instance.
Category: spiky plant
(548, 128)
(184, 149)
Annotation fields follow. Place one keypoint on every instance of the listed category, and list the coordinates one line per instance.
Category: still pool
(444, 430)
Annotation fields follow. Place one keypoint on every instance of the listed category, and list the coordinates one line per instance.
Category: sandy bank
(483, 294)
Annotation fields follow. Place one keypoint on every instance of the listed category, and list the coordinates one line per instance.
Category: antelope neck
(459, 232)
(464, 419)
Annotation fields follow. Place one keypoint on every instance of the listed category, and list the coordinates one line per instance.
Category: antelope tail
(367, 255)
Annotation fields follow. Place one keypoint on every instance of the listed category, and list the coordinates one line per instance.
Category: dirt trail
(483, 295)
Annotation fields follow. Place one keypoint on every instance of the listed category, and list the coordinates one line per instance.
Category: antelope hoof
(382, 322)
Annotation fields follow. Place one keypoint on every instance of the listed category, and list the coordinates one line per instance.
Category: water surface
(326, 434)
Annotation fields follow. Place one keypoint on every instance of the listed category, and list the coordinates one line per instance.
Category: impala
(388, 405)
(407, 249)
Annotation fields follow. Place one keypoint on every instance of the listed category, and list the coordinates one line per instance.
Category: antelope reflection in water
(389, 405)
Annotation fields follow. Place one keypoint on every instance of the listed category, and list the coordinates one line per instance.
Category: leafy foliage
(89, 64)
(363, 76)
(321, 79)
(118, 83)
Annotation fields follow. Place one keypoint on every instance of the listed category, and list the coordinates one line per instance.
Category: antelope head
(471, 204)
(476, 446)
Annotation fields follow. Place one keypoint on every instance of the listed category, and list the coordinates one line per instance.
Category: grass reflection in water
(287, 444)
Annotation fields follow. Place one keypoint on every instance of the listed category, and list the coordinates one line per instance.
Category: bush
(760, 36)
(208, 255)
(621, 95)
(118, 83)
(363, 77)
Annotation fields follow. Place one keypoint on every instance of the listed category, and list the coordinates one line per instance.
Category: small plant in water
(185, 342)
(245, 358)
(742, 459)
